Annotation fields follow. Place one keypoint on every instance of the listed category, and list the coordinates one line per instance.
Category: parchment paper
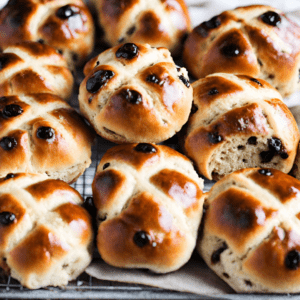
(194, 277)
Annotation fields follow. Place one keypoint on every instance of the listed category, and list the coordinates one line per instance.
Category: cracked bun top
(259, 41)
(135, 93)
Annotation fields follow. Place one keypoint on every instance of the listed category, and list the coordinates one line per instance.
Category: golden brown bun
(29, 68)
(66, 25)
(149, 202)
(250, 235)
(158, 23)
(134, 93)
(258, 41)
(45, 236)
(240, 122)
(40, 133)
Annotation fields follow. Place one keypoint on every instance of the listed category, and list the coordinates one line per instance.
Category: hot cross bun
(258, 41)
(41, 133)
(149, 202)
(135, 93)
(239, 122)
(250, 235)
(46, 237)
(66, 25)
(31, 67)
(160, 23)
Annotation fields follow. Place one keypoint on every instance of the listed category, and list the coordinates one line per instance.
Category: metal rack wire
(87, 287)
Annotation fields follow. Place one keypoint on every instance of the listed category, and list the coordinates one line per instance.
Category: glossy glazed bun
(239, 122)
(41, 133)
(159, 23)
(149, 202)
(30, 68)
(66, 25)
(259, 41)
(46, 236)
(135, 93)
(250, 235)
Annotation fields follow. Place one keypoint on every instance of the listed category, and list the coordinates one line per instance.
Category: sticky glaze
(116, 236)
(78, 220)
(151, 28)
(37, 253)
(267, 262)
(224, 57)
(167, 87)
(177, 186)
(106, 186)
(237, 217)
(142, 117)
(224, 87)
(128, 154)
(43, 190)
(282, 186)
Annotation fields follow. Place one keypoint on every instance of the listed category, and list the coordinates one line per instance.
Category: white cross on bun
(149, 201)
(239, 122)
(46, 237)
(135, 93)
(41, 133)
(258, 40)
(251, 231)
(30, 67)
(66, 25)
(155, 22)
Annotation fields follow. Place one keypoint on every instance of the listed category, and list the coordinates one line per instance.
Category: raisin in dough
(135, 93)
(41, 133)
(29, 68)
(251, 231)
(159, 23)
(258, 41)
(46, 236)
(149, 201)
(239, 122)
(66, 25)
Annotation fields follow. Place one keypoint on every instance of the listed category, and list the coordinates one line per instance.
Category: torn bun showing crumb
(239, 122)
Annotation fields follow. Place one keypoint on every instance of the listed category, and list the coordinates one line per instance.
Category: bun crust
(46, 236)
(41, 133)
(31, 67)
(66, 25)
(241, 122)
(158, 23)
(250, 235)
(135, 93)
(259, 41)
(149, 202)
